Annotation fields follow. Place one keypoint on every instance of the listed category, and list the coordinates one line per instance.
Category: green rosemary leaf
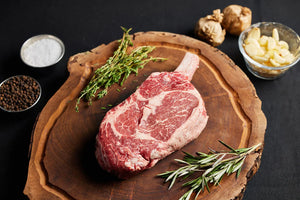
(229, 147)
(242, 150)
(206, 184)
(209, 170)
(188, 174)
(188, 154)
(219, 160)
(201, 154)
(208, 159)
(218, 176)
(191, 182)
(165, 174)
(229, 167)
(187, 195)
(238, 172)
(171, 176)
(238, 165)
(199, 190)
(181, 161)
(191, 159)
(173, 181)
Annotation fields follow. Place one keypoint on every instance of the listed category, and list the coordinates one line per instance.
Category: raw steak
(165, 113)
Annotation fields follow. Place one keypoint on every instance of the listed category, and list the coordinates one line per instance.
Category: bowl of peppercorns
(19, 93)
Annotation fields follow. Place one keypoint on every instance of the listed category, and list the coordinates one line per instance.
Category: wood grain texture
(63, 165)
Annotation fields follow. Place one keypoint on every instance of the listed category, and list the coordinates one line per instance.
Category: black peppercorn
(19, 93)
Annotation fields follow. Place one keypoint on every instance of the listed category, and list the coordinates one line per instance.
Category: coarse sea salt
(43, 52)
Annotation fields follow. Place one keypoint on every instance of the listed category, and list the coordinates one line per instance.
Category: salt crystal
(42, 52)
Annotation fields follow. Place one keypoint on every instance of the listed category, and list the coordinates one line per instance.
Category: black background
(83, 25)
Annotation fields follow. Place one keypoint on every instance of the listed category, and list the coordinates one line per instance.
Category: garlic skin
(209, 28)
(236, 19)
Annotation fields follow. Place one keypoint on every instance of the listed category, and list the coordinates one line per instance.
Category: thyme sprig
(212, 167)
(117, 68)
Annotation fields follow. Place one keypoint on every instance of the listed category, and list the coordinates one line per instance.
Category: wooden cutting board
(63, 165)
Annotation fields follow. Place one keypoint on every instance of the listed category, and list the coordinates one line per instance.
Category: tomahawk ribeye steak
(165, 113)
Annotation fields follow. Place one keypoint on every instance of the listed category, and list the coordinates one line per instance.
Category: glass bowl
(286, 34)
(19, 93)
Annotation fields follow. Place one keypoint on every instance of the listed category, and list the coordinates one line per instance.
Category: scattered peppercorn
(19, 93)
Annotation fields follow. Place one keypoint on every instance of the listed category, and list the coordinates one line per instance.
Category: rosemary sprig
(117, 68)
(212, 167)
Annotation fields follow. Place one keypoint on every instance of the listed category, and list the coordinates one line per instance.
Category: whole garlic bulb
(209, 28)
(236, 19)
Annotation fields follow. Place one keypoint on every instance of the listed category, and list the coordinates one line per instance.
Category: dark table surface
(83, 25)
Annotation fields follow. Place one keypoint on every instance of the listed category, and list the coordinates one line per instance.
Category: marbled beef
(165, 113)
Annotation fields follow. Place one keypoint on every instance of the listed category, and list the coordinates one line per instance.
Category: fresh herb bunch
(117, 68)
(212, 166)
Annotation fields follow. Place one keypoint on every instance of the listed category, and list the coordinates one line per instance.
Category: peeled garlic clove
(261, 59)
(271, 43)
(283, 44)
(278, 58)
(251, 49)
(263, 40)
(274, 63)
(275, 34)
(289, 58)
(270, 54)
(249, 40)
(254, 33)
(284, 52)
(260, 50)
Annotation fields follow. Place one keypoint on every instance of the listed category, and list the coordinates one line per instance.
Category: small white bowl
(29, 48)
(286, 34)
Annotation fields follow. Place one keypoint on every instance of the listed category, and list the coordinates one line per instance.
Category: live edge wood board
(62, 163)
